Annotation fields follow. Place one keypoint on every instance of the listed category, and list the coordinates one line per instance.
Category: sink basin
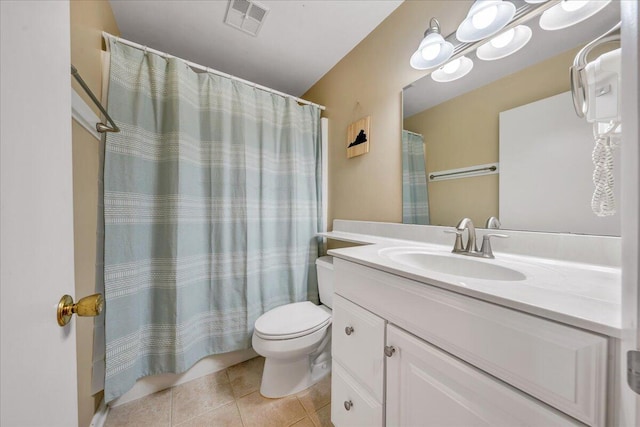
(456, 265)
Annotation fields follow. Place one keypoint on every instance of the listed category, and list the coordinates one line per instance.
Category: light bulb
(573, 5)
(483, 18)
(453, 70)
(431, 51)
(451, 67)
(503, 39)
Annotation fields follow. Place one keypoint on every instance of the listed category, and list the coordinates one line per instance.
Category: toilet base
(285, 377)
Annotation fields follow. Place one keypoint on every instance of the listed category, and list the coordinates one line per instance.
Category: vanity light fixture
(570, 12)
(485, 18)
(505, 44)
(434, 50)
(453, 70)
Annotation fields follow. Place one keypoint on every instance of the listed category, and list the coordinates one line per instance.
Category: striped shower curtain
(212, 200)
(415, 200)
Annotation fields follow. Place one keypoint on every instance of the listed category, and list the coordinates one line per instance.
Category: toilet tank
(324, 266)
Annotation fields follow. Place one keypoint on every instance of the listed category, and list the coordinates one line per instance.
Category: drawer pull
(348, 330)
(348, 404)
(389, 350)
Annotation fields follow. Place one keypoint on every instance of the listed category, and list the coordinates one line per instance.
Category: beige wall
(88, 20)
(449, 145)
(369, 81)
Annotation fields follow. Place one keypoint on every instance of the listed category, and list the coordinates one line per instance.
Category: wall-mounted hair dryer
(595, 88)
(595, 85)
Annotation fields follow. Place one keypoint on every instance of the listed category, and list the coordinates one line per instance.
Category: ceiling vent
(246, 15)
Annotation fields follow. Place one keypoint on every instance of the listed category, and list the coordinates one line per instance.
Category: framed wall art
(358, 137)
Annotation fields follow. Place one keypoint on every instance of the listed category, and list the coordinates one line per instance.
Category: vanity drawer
(358, 344)
(558, 364)
(351, 405)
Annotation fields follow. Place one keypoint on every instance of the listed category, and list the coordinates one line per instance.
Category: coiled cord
(603, 202)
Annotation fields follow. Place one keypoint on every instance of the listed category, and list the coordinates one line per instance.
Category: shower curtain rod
(209, 70)
(412, 133)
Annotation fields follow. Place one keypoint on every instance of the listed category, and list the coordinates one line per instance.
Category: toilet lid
(292, 321)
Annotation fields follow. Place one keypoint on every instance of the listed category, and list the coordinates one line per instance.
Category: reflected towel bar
(100, 127)
(463, 172)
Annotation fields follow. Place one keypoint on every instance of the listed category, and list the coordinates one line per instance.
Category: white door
(38, 358)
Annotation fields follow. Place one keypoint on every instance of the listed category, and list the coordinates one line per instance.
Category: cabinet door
(358, 344)
(426, 386)
(351, 404)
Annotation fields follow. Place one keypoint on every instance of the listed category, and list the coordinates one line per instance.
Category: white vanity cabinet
(459, 360)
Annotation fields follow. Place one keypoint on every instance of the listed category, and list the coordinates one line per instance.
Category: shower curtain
(212, 200)
(415, 200)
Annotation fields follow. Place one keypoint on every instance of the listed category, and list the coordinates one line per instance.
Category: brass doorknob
(87, 306)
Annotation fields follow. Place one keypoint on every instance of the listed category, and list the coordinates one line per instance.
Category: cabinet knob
(389, 350)
(348, 330)
(348, 404)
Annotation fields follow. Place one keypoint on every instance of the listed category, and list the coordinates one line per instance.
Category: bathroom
(368, 81)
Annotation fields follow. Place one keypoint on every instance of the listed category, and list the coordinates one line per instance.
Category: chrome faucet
(470, 248)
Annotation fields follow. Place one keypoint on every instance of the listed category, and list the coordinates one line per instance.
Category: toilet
(295, 340)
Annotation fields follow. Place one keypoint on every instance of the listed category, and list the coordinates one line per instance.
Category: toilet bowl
(295, 340)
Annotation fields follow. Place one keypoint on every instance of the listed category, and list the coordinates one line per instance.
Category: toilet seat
(292, 321)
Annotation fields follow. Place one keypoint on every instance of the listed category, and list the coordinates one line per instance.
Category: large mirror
(514, 120)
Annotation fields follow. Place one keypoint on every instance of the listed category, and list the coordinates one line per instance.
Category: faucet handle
(457, 246)
(493, 222)
(485, 249)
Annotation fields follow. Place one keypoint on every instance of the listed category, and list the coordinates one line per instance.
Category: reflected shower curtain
(212, 201)
(415, 200)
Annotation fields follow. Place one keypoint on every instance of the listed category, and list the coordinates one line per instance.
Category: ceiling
(426, 93)
(298, 43)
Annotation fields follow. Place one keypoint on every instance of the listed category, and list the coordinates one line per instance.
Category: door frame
(630, 207)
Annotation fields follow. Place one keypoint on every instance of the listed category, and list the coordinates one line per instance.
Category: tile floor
(227, 398)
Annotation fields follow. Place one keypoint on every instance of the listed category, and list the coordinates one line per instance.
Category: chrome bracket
(633, 370)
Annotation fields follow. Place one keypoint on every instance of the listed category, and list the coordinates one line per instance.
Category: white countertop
(578, 294)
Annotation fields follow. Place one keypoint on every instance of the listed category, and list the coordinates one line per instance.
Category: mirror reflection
(504, 140)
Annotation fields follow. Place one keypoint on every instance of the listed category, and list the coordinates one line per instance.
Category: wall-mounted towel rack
(100, 127)
(488, 169)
